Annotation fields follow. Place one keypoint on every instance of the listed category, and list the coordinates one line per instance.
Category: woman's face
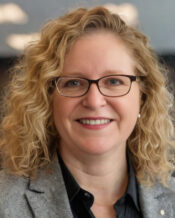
(93, 56)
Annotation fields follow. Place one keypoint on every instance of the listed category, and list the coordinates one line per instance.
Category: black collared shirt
(81, 200)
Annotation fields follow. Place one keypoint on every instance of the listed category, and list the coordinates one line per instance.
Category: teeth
(94, 122)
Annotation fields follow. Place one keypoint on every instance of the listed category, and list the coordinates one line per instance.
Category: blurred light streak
(12, 13)
(20, 41)
(126, 11)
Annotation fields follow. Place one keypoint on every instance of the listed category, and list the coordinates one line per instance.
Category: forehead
(99, 52)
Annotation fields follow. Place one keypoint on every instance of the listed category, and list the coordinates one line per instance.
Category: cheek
(59, 110)
(127, 108)
(63, 109)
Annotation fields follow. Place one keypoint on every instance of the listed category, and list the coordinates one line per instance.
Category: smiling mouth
(94, 121)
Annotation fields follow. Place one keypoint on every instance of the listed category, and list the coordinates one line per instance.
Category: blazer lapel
(158, 201)
(46, 196)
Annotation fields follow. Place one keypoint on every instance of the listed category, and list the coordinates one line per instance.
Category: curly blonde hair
(28, 133)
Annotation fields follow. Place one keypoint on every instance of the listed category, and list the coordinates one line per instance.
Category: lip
(94, 118)
(96, 126)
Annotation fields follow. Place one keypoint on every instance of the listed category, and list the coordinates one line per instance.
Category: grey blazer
(46, 197)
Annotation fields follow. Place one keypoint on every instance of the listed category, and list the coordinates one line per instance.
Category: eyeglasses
(111, 85)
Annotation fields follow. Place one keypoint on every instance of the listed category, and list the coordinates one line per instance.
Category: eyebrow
(109, 72)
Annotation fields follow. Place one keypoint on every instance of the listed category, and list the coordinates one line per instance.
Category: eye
(72, 83)
(114, 81)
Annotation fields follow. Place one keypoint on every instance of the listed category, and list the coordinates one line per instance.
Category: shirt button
(87, 195)
(162, 212)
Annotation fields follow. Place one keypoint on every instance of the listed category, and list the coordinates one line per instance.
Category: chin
(97, 148)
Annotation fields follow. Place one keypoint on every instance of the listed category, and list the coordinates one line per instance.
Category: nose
(93, 98)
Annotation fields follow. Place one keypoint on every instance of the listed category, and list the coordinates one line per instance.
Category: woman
(88, 130)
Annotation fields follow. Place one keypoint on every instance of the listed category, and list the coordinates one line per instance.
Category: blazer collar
(46, 195)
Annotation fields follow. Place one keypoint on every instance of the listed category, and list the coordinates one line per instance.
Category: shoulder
(9, 183)
(158, 190)
(12, 189)
(158, 198)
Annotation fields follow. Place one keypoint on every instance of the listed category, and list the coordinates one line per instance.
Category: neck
(101, 175)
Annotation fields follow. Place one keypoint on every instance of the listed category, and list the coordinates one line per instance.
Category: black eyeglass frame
(90, 81)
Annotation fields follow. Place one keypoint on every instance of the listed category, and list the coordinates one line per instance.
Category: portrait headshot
(87, 124)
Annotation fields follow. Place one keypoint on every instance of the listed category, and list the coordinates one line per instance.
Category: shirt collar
(72, 186)
(132, 189)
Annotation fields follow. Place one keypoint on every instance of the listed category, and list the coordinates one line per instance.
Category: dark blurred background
(20, 21)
